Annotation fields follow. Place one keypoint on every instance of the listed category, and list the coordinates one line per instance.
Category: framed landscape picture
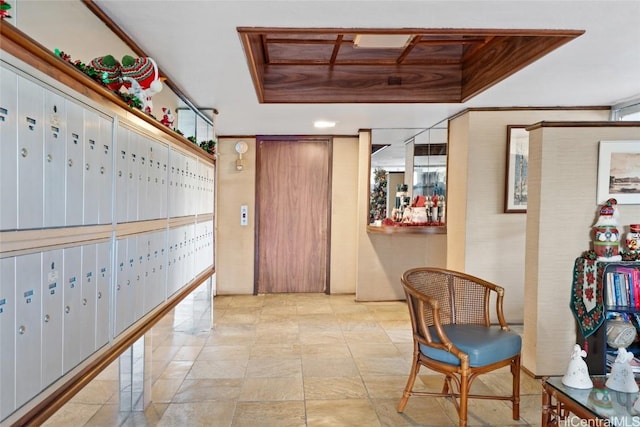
(515, 198)
(619, 172)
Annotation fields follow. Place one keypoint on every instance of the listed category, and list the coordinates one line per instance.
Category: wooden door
(293, 214)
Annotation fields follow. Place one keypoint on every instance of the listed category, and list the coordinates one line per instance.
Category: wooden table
(601, 405)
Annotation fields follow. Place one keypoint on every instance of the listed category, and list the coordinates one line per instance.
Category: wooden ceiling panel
(502, 57)
(303, 53)
(350, 54)
(357, 83)
(434, 53)
(322, 65)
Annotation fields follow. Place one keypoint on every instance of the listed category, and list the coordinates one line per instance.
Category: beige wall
(383, 258)
(563, 166)
(235, 243)
(482, 239)
(367, 265)
(344, 197)
(457, 193)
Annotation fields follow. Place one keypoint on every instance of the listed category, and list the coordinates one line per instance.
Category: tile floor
(287, 360)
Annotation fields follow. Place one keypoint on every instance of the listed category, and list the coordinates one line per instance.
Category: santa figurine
(110, 69)
(140, 76)
(167, 117)
(606, 237)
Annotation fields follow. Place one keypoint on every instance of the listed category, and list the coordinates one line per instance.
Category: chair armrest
(499, 307)
(424, 336)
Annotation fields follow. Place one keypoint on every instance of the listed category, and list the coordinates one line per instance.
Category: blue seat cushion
(484, 345)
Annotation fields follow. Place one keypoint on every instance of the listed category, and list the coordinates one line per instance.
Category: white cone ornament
(577, 375)
(622, 378)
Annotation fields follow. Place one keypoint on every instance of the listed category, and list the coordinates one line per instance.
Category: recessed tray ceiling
(324, 65)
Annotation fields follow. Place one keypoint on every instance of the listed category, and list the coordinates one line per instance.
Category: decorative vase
(633, 238)
(606, 237)
(606, 241)
(620, 333)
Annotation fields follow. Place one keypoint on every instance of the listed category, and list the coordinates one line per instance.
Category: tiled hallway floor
(287, 360)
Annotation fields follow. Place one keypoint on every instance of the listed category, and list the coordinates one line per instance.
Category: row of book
(623, 287)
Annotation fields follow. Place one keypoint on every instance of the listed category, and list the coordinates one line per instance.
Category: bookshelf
(619, 284)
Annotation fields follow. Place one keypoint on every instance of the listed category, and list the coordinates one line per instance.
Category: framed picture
(515, 197)
(619, 172)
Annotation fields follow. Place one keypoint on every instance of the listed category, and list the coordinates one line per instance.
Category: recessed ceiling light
(324, 124)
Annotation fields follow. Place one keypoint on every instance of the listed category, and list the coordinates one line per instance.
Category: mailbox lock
(22, 329)
(46, 318)
(102, 170)
(24, 152)
(99, 295)
(49, 158)
(67, 309)
(84, 301)
(70, 162)
(86, 166)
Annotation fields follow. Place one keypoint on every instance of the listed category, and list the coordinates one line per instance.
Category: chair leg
(446, 386)
(464, 397)
(515, 372)
(415, 367)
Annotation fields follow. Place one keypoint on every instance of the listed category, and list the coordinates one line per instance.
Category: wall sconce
(241, 148)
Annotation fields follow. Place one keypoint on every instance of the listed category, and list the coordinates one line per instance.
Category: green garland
(4, 9)
(626, 255)
(208, 146)
(131, 100)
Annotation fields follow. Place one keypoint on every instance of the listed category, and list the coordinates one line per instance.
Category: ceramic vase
(606, 242)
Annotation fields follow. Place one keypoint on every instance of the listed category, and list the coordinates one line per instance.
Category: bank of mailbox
(52, 316)
(123, 302)
(154, 269)
(63, 164)
(28, 327)
(7, 334)
(74, 164)
(54, 155)
(203, 256)
(54, 305)
(8, 149)
(183, 184)
(205, 188)
(180, 264)
(140, 176)
(103, 289)
(30, 154)
(141, 277)
(54, 313)
(58, 170)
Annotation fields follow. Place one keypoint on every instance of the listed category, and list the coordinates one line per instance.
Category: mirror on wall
(408, 170)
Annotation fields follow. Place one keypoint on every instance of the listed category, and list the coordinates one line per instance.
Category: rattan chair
(453, 335)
